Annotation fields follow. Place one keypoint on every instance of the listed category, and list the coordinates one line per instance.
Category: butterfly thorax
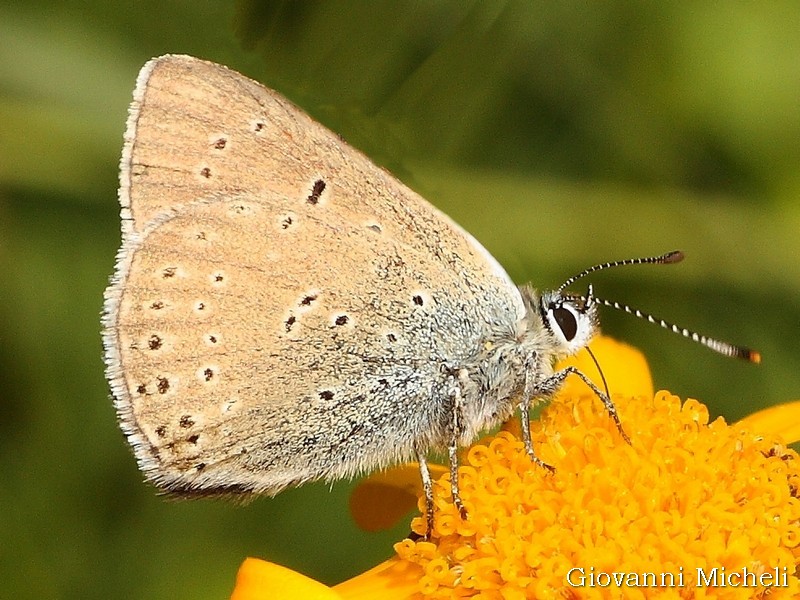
(512, 364)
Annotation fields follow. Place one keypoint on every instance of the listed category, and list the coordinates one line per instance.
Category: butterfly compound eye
(567, 323)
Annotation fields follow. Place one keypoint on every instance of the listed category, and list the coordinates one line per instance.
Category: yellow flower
(688, 493)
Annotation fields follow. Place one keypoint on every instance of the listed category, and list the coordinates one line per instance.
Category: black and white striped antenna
(669, 258)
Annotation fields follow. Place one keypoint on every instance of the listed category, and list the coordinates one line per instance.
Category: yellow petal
(783, 420)
(390, 580)
(624, 367)
(383, 498)
(261, 580)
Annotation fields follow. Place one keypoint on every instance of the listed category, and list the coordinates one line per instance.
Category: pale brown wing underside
(281, 307)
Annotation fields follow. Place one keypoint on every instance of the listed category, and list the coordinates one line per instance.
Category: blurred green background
(559, 134)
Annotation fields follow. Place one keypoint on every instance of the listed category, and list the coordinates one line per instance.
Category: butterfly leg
(551, 385)
(427, 487)
(525, 422)
(456, 430)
